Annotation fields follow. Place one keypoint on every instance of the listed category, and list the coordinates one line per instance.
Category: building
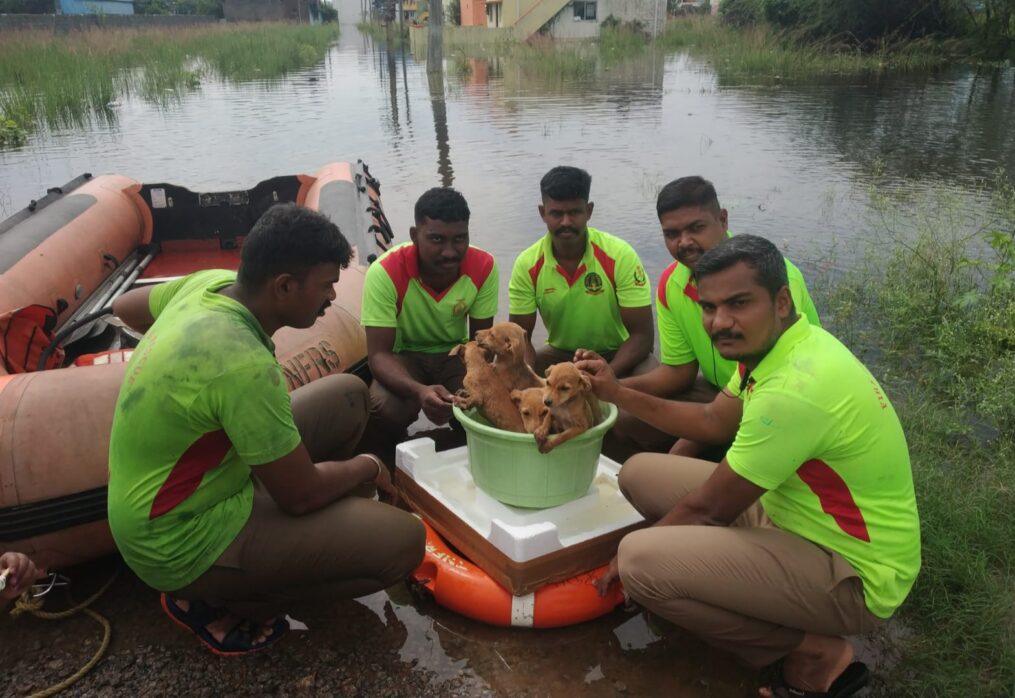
(301, 11)
(96, 7)
(563, 19)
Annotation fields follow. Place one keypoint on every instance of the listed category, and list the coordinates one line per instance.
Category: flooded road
(791, 162)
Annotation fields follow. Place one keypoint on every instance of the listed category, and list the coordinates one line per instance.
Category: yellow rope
(26, 604)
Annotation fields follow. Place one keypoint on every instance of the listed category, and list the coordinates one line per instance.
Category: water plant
(931, 308)
(11, 133)
(69, 79)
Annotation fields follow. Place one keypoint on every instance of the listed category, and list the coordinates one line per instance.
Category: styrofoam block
(521, 534)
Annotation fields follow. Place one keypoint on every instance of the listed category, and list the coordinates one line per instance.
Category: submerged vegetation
(64, 80)
(931, 310)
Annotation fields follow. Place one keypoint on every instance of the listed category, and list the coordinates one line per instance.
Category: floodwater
(790, 161)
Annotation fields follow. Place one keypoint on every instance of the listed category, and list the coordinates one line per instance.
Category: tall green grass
(762, 52)
(66, 80)
(932, 310)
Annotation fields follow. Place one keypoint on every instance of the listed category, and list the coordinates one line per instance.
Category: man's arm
(528, 323)
(435, 400)
(300, 486)
(475, 325)
(712, 423)
(638, 345)
(134, 309)
(664, 380)
(385, 366)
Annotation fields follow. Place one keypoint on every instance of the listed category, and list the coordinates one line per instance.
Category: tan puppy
(573, 407)
(507, 342)
(484, 390)
(532, 408)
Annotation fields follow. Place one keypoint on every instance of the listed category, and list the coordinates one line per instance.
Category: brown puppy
(483, 389)
(532, 408)
(507, 342)
(573, 407)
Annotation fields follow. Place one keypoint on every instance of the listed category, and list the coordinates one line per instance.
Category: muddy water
(790, 162)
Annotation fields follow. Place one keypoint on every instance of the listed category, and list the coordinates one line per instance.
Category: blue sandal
(239, 641)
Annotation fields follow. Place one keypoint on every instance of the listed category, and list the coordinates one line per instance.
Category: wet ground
(393, 643)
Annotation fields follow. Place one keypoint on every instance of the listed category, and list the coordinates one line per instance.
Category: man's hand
(608, 577)
(436, 402)
(21, 574)
(604, 380)
(383, 477)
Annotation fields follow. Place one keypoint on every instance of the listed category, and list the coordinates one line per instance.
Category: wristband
(376, 460)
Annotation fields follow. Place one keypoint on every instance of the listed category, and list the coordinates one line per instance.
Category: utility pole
(435, 40)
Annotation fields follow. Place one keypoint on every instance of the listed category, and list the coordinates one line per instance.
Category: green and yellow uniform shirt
(580, 310)
(819, 434)
(203, 400)
(682, 335)
(395, 296)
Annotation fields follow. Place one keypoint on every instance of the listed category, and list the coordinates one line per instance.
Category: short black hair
(442, 204)
(758, 253)
(290, 239)
(564, 183)
(687, 191)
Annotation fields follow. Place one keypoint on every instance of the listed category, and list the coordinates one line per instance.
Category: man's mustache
(725, 334)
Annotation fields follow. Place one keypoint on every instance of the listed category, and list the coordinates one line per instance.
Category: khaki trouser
(395, 412)
(547, 356)
(278, 560)
(750, 589)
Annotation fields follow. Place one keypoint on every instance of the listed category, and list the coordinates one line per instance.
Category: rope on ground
(33, 606)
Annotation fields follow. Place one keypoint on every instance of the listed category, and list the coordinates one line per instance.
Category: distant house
(302, 11)
(562, 19)
(96, 7)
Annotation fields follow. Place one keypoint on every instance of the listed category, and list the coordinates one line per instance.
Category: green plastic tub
(509, 467)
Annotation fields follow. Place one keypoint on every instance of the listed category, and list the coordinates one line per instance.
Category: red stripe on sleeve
(401, 265)
(607, 262)
(835, 497)
(185, 477)
(663, 281)
(478, 265)
(534, 271)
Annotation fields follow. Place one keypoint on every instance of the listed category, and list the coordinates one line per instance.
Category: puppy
(532, 408)
(507, 342)
(484, 390)
(573, 407)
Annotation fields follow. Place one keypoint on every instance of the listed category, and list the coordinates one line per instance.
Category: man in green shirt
(588, 286)
(693, 222)
(204, 408)
(420, 299)
(807, 531)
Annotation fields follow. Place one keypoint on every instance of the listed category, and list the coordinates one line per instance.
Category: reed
(762, 52)
(67, 80)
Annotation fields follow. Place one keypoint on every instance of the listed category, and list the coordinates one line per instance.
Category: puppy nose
(548, 402)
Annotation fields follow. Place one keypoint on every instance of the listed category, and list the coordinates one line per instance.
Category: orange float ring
(460, 586)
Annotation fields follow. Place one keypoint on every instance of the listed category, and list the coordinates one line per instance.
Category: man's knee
(632, 475)
(393, 411)
(406, 538)
(639, 566)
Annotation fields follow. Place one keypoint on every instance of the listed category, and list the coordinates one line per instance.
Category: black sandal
(855, 677)
(239, 641)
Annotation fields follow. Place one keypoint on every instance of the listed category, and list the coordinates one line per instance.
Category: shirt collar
(777, 355)
(587, 256)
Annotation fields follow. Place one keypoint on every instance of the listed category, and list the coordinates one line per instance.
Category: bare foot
(815, 663)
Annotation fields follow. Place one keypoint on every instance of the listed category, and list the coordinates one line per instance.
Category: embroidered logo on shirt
(593, 284)
(639, 276)
(460, 307)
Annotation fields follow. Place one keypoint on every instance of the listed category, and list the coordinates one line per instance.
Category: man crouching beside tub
(204, 408)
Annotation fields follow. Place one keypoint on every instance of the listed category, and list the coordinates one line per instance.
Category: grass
(66, 80)
(763, 51)
(382, 33)
(932, 311)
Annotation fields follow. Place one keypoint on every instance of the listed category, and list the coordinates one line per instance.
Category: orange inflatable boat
(64, 259)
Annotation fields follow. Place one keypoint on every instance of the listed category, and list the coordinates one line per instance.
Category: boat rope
(26, 603)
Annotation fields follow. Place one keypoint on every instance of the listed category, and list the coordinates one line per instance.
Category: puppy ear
(516, 396)
(547, 371)
(456, 350)
(586, 381)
